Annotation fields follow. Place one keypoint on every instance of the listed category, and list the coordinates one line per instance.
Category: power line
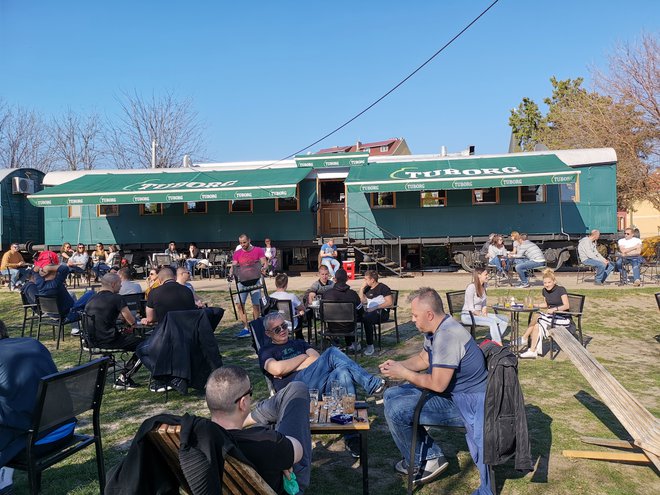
(397, 86)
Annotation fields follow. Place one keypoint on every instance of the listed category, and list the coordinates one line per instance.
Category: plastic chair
(339, 313)
(61, 397)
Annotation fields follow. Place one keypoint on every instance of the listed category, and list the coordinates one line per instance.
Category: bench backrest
(238, 478)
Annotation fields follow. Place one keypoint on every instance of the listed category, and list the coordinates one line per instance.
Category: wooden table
(323, 426)
(515, 322)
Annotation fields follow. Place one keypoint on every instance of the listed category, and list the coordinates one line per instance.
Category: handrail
(393, 236)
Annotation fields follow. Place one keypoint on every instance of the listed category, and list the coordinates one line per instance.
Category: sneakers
(380, 388)
(129, 384)
(432, 469)
(528, 354)
(160, 387)
(523, 286)
(520, 342)
(637, 283)
(369, 350)
(353, 445)
(75, 331)
(354, 347)
(243, 333)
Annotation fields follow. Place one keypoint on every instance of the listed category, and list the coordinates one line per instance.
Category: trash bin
(349, 266)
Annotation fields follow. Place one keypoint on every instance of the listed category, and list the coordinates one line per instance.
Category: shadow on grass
(603, 413)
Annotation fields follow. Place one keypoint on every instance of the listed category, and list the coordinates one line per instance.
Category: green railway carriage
(402, 204)
(21, 221)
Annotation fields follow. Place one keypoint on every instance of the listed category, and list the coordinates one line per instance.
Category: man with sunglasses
(78, 261)
(275, 453)
(630, 248)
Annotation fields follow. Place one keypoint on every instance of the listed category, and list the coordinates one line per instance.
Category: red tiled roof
(336, 149)
(378, 144)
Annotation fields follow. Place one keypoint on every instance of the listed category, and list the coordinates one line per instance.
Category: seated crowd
(274, 434)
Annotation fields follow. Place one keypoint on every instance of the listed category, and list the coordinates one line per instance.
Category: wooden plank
(607, 456)
(608, 442)
(636, 419)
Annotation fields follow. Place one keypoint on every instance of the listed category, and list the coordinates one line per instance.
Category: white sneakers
(354, 347)
(369, 350)
(528, 355)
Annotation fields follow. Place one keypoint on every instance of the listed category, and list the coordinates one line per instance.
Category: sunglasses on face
(249, 392)
(280, 328)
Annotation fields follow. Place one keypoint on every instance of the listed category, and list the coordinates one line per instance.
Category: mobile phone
(360, 404)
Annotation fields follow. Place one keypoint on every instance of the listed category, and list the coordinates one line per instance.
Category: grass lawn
(561, 407)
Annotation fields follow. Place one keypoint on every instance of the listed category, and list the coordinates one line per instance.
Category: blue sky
(269, 78)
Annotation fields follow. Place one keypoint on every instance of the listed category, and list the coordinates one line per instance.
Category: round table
(515, 311)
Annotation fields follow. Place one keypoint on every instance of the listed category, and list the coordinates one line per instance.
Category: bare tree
(634, 78)
(77, 141)
(172, 123)
(23, 140)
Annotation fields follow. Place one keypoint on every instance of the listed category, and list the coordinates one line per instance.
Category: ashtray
(518, 306)
(341, 419)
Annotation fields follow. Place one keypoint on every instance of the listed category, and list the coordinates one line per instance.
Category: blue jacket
(56, 288)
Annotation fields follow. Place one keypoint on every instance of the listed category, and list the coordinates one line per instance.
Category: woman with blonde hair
(65, 253)
(555, 301)
(476, 303)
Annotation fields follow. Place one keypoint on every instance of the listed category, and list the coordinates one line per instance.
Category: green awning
(333, 160)
(173, 187)
(471, 173)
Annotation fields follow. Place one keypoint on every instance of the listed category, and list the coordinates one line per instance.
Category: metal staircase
(376, 244)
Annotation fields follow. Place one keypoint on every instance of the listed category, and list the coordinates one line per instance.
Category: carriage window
(490, 196)
(75, 211)
(570, 193)
(107, 210)
(433, 199)
(240, 206)
(195, 207)
(288, 204)
(531, 194)
(147, 209)
(383, 200)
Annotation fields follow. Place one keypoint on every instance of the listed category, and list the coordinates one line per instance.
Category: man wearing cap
(12, 262)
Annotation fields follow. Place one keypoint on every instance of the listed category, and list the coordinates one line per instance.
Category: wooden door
(332, 209)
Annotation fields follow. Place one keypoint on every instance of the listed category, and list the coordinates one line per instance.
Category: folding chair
(61, 398)
(583, 270)
(259, 340)
(338, 313)
(87, 330)
(252, 279)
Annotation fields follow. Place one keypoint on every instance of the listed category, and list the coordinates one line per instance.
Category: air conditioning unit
(21, 185)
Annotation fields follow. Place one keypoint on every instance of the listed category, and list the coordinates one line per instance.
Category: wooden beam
(607, 456)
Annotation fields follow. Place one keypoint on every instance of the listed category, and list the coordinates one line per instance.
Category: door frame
(319, 198)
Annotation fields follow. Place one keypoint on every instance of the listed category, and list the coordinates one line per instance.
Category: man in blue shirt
(456, 377)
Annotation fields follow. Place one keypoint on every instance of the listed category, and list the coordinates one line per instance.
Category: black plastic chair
(60, 398)
(259, 340)
(49, 314)
(393, 309)
(575, 311)
(455, 302)
(338, 313)
(30, 314)
(87, 329)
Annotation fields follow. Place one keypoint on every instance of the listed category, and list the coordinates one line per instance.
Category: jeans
(497, 323)
(288, 410)
(522, 268)
(17, 275)
(370, 319)
(471, 407)
(335, 365)
(602, 270)
(78, 305)
(191, 263)
(400, 405)
(634, 261)
(497, 263)
(332, 264)
(100, 269)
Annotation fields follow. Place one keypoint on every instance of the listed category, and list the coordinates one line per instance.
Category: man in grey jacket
(589, 255)
(532, 257)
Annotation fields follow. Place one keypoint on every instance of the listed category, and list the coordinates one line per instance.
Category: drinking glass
(313, 410)
(327, 401)
(314, 394)
(348, 403)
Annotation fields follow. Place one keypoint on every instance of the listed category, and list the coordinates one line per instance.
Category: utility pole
(153, 153)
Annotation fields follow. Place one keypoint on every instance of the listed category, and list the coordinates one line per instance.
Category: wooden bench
(237, 479)
(642, 426)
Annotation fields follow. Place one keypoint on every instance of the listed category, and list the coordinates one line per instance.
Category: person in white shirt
(281, 284)
(476, 302)
(127, 285)
(630, 248)
(589, 255)
(271, 256)
(498, 255)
